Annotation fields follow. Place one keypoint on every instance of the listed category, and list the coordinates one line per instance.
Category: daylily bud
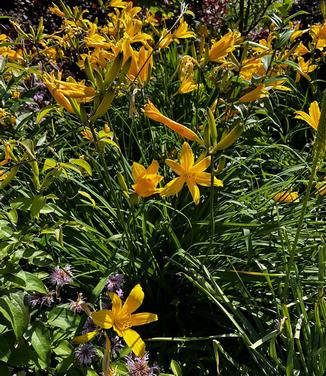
(212, 126)
(89, 70)
(104, 105)
(113, 72)
(228, 140)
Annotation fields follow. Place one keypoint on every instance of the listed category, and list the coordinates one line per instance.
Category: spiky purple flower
(116, 344)
(40, 299)
(115, 283)
(140, 367)
(61, 276)
(85, 354)
(77, 305)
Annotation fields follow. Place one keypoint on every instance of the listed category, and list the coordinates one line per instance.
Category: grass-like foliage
(162, 191)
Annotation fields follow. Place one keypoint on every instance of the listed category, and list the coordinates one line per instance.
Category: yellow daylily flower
(146, 180)
(122, 318)
(259, 92)
(251, 67)
(118, 3)
(313, 117)
(141, 64)
(62, 90)
(189, 172)
(321, 188)
(187, 85)
(7, 155)
(166, 39)
(221, 48)
(4, 162)
(73, 89)
(186, 67)
(153, 113)
(265, 45)
(305, 67)
(15, 55)
(183, 32)
(301, 50)
(318, 33)
(97, 41)
(86, 133)
(286, 196)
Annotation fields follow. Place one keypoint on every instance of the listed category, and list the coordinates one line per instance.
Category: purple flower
(85, 354)
(115, 283)
(116, 344)
(61, 276)
(140, 367)
(77, 305)
(40, 299)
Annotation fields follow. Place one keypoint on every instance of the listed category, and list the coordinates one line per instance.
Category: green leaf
(37, 204)
(13, 216)
(70, 166)
(98, 289)
(175, 367)
(32, 282)
(43, 113)
(262, 340)
(16, 312)
(87, 195)
(61, 317)
(41, 343)
(83, 164)
(49, 164)
(63, 349)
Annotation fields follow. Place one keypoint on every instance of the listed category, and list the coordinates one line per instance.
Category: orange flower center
(123, 322)
(190, 177)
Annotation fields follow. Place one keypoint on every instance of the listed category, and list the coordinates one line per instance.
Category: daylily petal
(176, 167)
(116, 303)
(143, 318)
(85, 337)
(134, 341)
(286, 196)
(173, 187)
(103, 318)
(153, 168)
(314, 112)
(201, 165)
(134, 300)
(204, 179)
(137, 170)
(194, 190)
(186, 157)
(304, 116)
